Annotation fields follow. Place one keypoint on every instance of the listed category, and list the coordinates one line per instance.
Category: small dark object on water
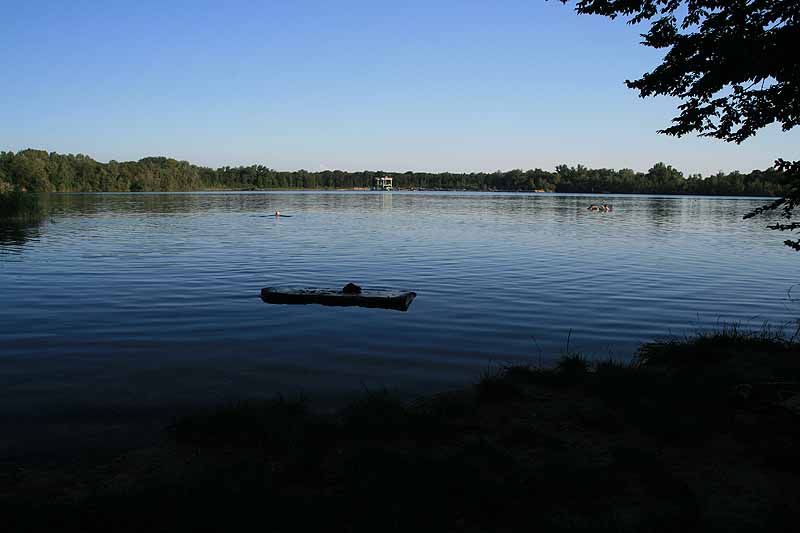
(376, 298)
(351, 288)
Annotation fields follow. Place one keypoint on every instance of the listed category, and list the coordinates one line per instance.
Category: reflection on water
(14, 235)
(149, 298)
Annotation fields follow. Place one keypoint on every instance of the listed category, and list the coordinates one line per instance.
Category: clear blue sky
(416, 85)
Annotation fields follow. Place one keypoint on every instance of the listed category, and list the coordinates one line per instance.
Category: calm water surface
(154, 298)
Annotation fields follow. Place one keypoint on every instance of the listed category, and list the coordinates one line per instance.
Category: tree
(732, 63)
(787, 204)
(30, 167)
(664, 178)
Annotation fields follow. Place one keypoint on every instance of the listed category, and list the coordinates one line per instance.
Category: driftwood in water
(379, 298)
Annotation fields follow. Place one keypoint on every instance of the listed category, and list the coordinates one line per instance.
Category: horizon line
(379, 170)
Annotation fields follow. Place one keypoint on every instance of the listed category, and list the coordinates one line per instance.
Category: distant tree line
(40, 171)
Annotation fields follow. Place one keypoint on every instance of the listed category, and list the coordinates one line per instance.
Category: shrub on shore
(580, 446)
(731, 352)
(681, 379)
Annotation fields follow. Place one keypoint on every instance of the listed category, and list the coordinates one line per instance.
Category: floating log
(378, 298)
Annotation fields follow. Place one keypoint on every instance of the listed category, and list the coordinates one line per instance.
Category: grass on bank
(678, 439)
(674, 390)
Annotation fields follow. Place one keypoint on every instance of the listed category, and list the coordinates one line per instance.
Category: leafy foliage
(37, 170)
(732, 63)
(787, 204)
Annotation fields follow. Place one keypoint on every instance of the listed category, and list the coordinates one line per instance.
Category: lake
(153, 299)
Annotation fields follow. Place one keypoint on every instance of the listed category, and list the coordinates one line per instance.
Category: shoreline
(400, 190)
(699, 434)
(69, 172)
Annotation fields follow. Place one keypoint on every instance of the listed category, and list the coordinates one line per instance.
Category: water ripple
(154, 298)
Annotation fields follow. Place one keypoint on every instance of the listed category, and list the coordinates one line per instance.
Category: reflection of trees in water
(28, 212)
(15, 235)
(659, 212)
(656, 214)
(144, 203)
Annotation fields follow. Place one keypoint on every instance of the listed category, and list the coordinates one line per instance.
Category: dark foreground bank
(696, 435)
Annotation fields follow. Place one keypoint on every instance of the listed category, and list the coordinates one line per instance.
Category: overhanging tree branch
(718, 52)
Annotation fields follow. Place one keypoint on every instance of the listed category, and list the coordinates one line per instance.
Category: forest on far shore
(41, 171)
